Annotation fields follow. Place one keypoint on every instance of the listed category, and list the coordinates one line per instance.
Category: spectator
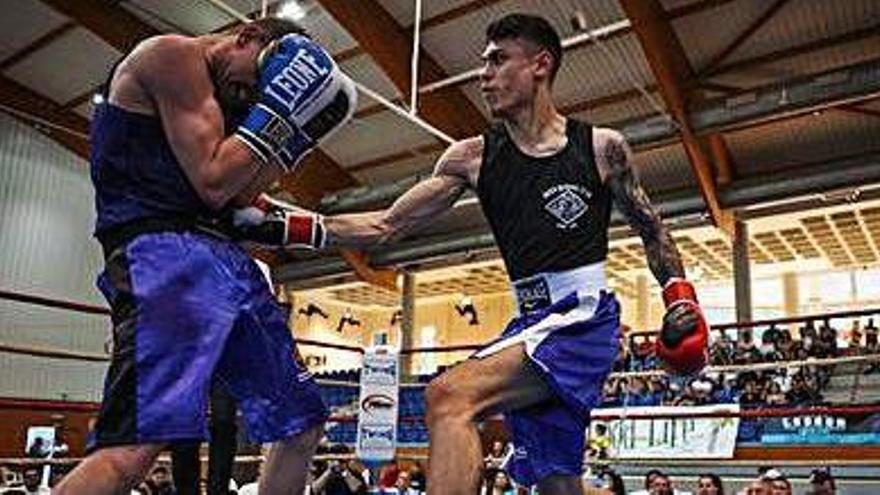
(801, 394)
(612, 483)
(496, 457)
(785, 345)
(600, 442)
(418, 479)
(809, 336)
(499, 484)
(871, 335)
(777, 482)
(611, 393)
(768, 344)
(871, 345)
(8, 477)
(702, 391)
(388, 475)
(251, 488)
(32, 476)
(649, 478)
(746, 352)
(340, 478)
(624, 354)
(854, 338)
(821, 483)
(38, 449)
(657, 389)
(709, 484)
(751, 396)
(638, 394)
(158, 482)
(726, 392)
(774, 395)
(722, 350)
(402, 486)
(662, 485)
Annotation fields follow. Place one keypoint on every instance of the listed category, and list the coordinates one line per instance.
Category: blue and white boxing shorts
(569, 325)
(190, 310)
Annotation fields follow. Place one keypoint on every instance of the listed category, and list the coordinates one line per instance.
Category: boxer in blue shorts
(189, 129)
(546, 184)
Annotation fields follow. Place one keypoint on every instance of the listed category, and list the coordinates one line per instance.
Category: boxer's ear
(249, 33)
(544, 64)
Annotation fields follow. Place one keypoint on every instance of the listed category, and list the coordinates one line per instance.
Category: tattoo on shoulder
(632, 200)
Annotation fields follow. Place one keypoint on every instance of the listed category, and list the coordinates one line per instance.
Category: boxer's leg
(279, 399)
(288, 462)
(462, 396)
(109, 471)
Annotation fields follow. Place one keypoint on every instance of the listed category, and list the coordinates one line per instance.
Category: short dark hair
(273, 27)
(532, 28)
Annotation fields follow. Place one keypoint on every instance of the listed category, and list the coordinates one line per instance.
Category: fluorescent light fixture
(293, 10)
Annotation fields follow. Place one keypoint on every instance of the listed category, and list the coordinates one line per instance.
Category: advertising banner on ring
(856, 429)
(674, 438)
(377, 405)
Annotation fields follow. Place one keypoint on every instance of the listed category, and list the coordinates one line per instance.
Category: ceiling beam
(31, 107)
(35, 45)
(795, 51)
(116, 26)
(319, 174)
(455, 13)
(675, 80)
(390, 45)
(856, 109)
(743, 36)
(676, 13)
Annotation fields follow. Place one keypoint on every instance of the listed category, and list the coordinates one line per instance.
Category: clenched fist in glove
(304, 98)
(271, 222)
(684, 338)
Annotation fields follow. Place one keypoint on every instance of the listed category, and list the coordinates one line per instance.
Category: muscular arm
(452, 175)
(614, 158)
(173, 72)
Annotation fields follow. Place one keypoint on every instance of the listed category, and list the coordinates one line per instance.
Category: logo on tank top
(567, 203)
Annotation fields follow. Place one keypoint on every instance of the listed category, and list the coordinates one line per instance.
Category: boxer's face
(512, 71)
(235, 77)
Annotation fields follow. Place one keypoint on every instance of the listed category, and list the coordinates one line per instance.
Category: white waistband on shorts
(588, 281)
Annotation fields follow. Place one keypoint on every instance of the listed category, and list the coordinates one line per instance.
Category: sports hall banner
(377, 407)
(674, 438)
(863, 429)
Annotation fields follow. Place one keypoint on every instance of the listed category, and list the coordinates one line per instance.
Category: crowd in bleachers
(351, 477)
(802, 386)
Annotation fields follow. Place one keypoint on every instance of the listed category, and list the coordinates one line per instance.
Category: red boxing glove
(274, 223)
(684, 339)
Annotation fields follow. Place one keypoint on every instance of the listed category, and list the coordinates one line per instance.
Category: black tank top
(548, 214)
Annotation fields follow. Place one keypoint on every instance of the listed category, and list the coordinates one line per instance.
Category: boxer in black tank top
(546, 184)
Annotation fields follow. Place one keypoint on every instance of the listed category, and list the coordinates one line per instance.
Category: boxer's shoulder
(172, 65)
(462, 158)
(610, 150)
(603, 137)
(151, 64)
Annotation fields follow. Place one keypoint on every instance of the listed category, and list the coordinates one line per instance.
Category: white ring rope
(414, 64)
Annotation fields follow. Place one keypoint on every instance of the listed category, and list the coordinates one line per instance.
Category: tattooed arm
(614, 159)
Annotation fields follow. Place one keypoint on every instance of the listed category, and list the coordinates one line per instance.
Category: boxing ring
(340, 391)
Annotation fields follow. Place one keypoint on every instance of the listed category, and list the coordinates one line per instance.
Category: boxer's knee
(447, 402)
